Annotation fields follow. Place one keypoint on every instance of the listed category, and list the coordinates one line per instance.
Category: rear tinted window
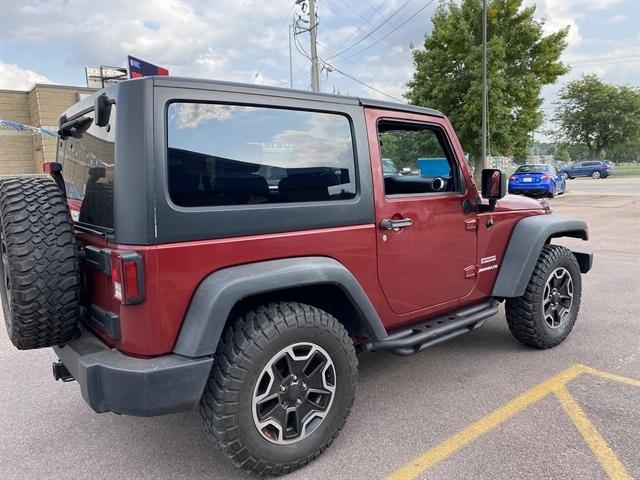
(241, 155)
(88, 158)
(532, 169)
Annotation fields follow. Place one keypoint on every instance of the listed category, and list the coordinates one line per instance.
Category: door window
(416, 159)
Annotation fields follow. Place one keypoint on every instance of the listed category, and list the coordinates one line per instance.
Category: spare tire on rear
(40, 285)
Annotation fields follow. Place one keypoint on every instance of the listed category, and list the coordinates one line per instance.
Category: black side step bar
(415, 339)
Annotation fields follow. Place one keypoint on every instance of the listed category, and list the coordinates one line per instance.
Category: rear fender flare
(527, 239)
(220, 291)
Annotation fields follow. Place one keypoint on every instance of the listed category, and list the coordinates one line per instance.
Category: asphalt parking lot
(481, 406)
(614, 186)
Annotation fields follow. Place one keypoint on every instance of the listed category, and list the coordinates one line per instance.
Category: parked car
(388, 167)
(191, 279)
(539, 179)
(591, 168)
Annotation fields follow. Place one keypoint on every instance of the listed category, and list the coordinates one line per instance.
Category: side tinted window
(416, 159)
(241, 155)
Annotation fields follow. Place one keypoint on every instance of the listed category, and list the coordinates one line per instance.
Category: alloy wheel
(557, 298)
(294, 393)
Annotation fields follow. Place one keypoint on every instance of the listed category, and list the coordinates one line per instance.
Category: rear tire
(596, 174)
(533, 319)
(258, 381)
(40, 287)
(552, 193)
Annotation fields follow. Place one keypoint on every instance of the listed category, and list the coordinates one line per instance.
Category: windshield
(87, 156)
(532, 169)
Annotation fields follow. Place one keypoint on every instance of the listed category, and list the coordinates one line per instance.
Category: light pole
(485, 160)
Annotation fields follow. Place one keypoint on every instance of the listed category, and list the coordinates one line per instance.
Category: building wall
(22, 152)
(17, 154)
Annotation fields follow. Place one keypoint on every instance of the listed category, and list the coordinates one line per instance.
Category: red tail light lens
(127, 275)
(546, 176)
(131, 280)
(512, 177)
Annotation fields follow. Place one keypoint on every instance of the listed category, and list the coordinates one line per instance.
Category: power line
(366, 22)
(273, 43)
(329, 66)
(332, 68)
(391, 32)
(629, 56)
(374, 30)
(357, 65)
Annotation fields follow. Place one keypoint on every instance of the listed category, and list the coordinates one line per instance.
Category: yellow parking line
(438, 453)
(554, 385)
(612, 376)
(607, 458)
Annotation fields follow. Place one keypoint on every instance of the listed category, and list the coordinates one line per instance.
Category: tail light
(127, 275)
(546, 176)
(512, 177)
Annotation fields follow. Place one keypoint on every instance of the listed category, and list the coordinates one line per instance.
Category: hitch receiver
(60, 372)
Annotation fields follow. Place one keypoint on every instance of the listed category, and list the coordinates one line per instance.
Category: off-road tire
(246, 346)
(525, 314)
(40, 272)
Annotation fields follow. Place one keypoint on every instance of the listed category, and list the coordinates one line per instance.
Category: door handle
(388, 224)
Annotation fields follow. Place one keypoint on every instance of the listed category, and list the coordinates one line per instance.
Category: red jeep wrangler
(236, 245)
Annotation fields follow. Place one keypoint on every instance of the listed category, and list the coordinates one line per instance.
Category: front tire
(544, 316)
(281, 389)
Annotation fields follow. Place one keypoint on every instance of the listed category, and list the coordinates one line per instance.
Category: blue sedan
(540, 179)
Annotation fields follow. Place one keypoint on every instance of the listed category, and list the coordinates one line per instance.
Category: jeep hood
(518, 202)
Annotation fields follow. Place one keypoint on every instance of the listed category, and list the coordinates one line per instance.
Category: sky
(247, 41)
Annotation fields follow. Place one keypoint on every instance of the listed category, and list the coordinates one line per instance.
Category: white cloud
(558, 15)
(603, 4)
(615, 19)
(14, 77)
(190, 115)
(193, 39)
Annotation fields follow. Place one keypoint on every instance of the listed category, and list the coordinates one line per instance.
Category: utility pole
(313, 32)
(485, 160)
(290, 59)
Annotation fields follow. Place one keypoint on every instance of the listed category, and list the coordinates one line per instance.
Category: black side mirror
(102, 110)
(494, 185)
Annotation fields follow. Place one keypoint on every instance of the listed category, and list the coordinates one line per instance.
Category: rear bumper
(530, 188)
(113, 382)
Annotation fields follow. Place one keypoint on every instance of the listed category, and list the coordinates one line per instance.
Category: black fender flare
(221, 290)
(527, 239)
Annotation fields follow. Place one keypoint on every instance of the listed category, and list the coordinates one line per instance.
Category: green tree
(521, 60)
(562, 154)
(597, 115)
(625, 152)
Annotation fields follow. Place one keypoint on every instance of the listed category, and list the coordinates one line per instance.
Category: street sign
(139, 68)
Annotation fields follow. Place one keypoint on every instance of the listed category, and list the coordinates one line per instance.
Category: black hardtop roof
(182, 82)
